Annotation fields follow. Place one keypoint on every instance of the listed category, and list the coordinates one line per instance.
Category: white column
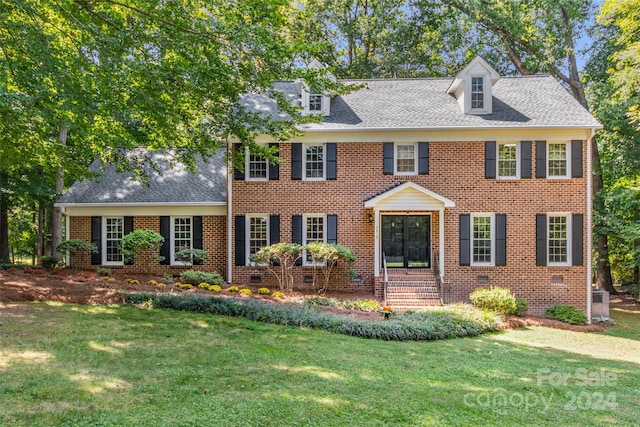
(441, 240)
(376, 240)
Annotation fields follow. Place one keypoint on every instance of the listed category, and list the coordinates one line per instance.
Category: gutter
(229, 216)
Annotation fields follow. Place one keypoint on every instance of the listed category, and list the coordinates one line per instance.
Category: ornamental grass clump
(458, 321)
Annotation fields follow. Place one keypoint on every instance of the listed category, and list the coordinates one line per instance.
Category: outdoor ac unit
(600, 304)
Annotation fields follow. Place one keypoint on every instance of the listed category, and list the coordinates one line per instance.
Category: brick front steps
(412, 289)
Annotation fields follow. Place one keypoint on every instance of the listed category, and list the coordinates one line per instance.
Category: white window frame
(492, 238)
(567, 159)
(517, 174)
(172, 250)
(247, 167)
(396, 157)
(304, 162)
(483, 92)
(568, 237)
(319, 97)
(106, 219)
(247, 243)
(305, 218)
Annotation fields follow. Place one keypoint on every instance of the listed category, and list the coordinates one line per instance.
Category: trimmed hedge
(566, 313)
(454, 322)
(500, 300)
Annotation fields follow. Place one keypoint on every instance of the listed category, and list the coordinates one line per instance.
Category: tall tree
(540, 35)
(112, 75)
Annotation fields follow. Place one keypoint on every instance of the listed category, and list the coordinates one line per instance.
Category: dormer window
(315, 103)
(477, 93)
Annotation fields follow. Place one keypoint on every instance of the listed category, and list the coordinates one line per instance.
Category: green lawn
(125, 366)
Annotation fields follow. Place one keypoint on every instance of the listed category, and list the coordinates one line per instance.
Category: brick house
(439, 185)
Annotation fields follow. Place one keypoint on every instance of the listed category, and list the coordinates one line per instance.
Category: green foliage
(458, 321)
(195, 277)
(635, 290)
(279, 260)
(75, 246)
(264, 291)
(49, 262)
(132, 243)
(324, 257)
(358, 304)
(195, 256)
(566, 313)
(104, 272)
(521, 306)
(233, 289)
(496, 299)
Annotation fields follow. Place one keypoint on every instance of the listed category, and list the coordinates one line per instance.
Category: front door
(406, 241)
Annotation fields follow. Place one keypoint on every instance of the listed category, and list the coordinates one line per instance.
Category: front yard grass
(73, 365)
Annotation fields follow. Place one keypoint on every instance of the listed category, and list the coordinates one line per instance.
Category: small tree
(324, 257)
(132, 243)
(279, 260)
(195, 256)
(76, 247)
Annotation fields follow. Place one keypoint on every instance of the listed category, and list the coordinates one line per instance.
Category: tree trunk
(56, 223)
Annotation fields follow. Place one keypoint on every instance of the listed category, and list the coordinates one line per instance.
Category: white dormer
(314, 103)
(472, 87)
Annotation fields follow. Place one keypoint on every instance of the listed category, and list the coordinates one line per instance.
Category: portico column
(441, 240)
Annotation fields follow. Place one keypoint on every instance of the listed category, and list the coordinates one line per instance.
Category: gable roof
(537, 101)
(415, 194)
(172, 186)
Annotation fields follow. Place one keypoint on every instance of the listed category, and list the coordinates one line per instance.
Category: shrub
(132, 243)
(566, 313)
(161, 285)
(264, 291)
(49, 262)
(279, 260)
(215, 288)
(233, 289)
(153, 283)
(361, 305)
(185, 286)
(278, 294)
(134, 282)
(245, 291)
(635, 290)
(327, 302)
(195, 256)
(76, 246)
(104, 272)
(203, 285)
(447, 322)
(194, 277)
(499, 300)
(521, 306)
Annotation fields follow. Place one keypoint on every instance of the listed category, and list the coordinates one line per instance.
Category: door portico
(412, 201)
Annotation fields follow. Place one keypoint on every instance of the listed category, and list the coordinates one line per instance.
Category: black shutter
(490, 159)
(296, 161)
(501, 239)
(525, 159)
(541, 239)
(274, 169)
(240, 222)
(576, 159)
(387, 152)
(197, 236)
(165, 231)
(331, 160)
(238, 174)
(96, 239)
(332, 228)
(274, 229)
(128, 228)
(577, 240)
(541, 159)
(296, 232)
(423, 158)
(465, 241)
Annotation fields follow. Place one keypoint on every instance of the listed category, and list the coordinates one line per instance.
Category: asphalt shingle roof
(531, 101)
(172, 186)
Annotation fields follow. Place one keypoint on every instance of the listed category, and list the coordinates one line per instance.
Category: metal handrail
(386, 277)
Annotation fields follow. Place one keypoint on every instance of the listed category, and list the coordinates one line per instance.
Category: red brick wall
(457, 173)
(214, 236)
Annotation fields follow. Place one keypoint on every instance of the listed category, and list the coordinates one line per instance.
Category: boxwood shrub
(447, 322)
(499, 300)
(566, 313)
(194, 277)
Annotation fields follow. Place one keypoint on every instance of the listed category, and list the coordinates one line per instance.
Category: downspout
(589, 224)
(229, 216)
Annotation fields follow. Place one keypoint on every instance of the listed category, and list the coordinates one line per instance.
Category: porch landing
(411, 289)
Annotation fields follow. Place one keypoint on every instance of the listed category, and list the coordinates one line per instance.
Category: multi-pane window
(557, 156)
(315, 102)
(314, 162)
(257, 167)
(314, 231)
(507, 160)
(114, 230)
(477, 92)
(181, 237)
(558, 239)
(258, 234)
(482, 240)
(405, 159)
